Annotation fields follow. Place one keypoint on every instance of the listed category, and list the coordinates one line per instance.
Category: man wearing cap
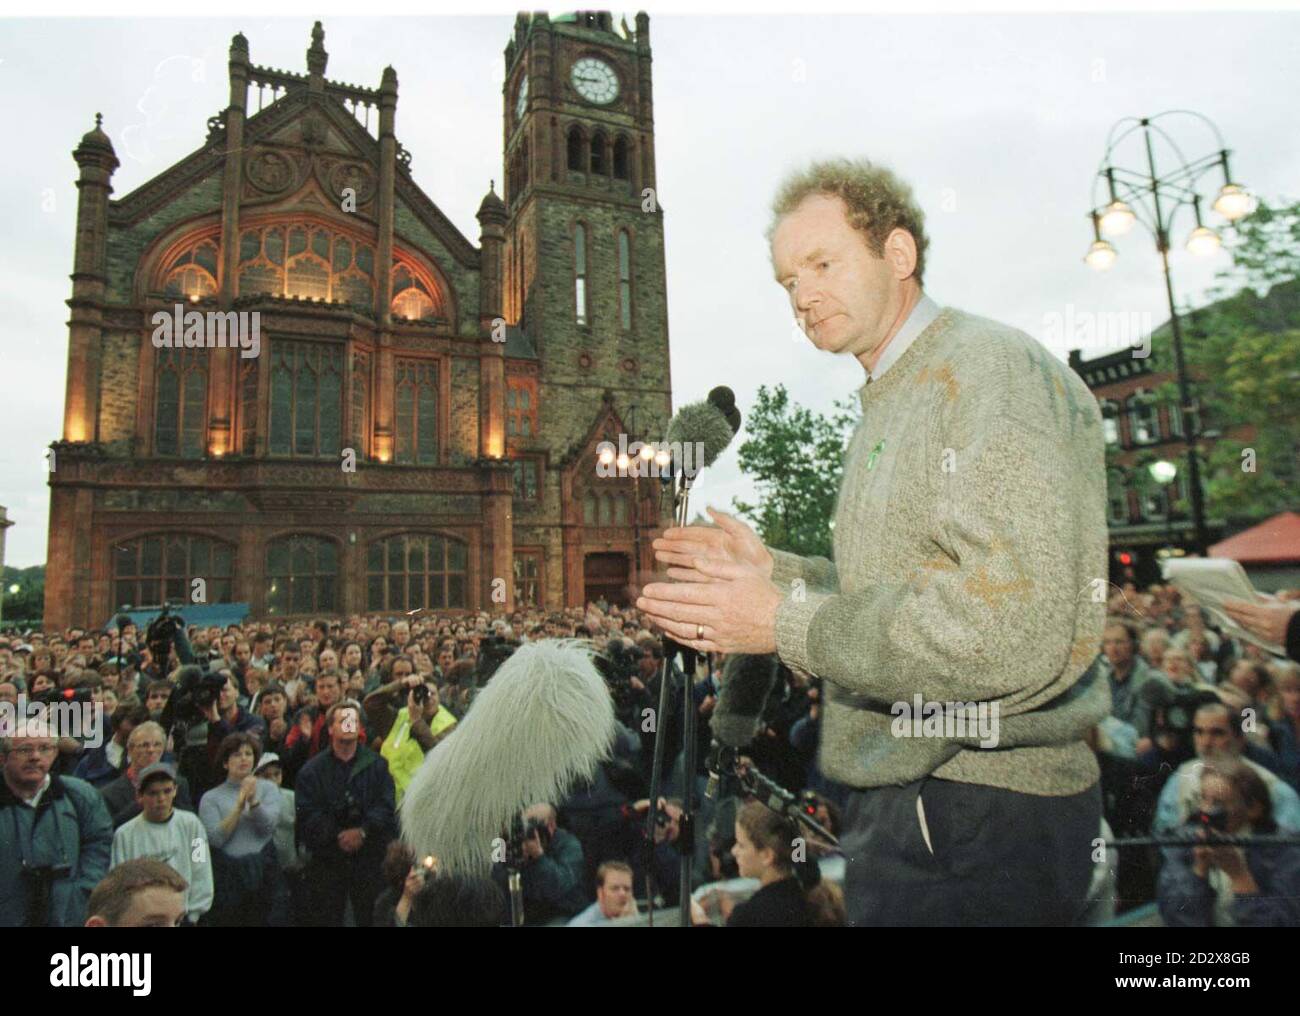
(163, 832)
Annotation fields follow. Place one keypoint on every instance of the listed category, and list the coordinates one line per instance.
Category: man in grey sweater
(958, 627)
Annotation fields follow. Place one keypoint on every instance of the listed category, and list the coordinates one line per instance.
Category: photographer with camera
(551, 866)
(1217, 734)
(55, 835)
(346, 816)
(404, 736)
(1206, 885)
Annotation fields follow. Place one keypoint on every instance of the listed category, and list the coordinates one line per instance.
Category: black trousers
(996, 858)
(330, 886)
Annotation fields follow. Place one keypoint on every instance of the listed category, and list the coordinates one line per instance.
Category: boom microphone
(544, 721)
(747, 682)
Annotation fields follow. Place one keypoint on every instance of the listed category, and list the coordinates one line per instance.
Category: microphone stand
(686, 828)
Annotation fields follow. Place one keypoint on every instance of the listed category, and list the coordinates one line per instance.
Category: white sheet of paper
(1210, 581)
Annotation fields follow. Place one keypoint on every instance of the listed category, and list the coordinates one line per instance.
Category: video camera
(522, 830)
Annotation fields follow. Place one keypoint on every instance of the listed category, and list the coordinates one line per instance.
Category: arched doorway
(607, 575)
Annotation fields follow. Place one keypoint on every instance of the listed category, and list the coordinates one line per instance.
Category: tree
(796, 458)
(1245, 349)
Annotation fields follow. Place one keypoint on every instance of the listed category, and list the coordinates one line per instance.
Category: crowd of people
(274, 798)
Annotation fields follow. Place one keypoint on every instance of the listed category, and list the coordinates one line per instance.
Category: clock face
(521, 102)
(594, 80)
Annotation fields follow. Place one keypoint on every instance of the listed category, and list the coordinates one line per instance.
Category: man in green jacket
(55, 836)
(957, 629)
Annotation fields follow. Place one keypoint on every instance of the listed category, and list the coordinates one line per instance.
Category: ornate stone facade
(418, 427)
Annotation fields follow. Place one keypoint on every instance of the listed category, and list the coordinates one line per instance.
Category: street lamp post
(1128, 192)
(1163, 473)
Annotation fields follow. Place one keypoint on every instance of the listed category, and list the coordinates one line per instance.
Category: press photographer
(550, 863)
(405, 735)
(1220, 885)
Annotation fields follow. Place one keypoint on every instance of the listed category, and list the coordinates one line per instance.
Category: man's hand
(351, 840)
(1266, 620)
(734, 604)
(305, 725)
(731, 541)
(533, 849)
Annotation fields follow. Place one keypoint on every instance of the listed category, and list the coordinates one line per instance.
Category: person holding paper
(1277, 622)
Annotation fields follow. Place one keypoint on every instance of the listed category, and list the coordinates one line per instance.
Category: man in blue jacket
(346, 811)
(55, 836)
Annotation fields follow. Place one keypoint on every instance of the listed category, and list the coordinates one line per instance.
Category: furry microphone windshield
(544, 721)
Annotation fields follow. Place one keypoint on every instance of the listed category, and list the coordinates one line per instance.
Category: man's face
(29, 760)
(154, 907)
(156, 799)
(272, 706)
(446, 657)
(845, 299)
(290, 661)
(157, 700)
(648, 665)
(401, 670)
(1244, 677)
(345, 728)
(9, 693)
(615, 893)
(86, 645)
(144, 748)
(327, 691)
(243, 653)
(1212, 734)
(401, 635)
(1117, 646)
(229, 696)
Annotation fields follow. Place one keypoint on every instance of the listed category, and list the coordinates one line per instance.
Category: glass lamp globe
(1101, 255)
(1233, 202)
(1203, 241)
(1117, 219)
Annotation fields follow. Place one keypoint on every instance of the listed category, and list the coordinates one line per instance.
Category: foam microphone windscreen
(747, 681)
(545, 721)
(702, 424)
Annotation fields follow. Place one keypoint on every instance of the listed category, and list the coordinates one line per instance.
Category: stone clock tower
(583, 278)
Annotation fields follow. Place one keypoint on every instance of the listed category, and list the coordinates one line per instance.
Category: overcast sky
(999, 123)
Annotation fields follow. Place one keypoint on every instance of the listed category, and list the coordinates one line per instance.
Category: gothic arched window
(301, 575)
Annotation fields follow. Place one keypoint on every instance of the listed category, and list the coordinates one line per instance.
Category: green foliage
(28, 604)
(1245, 350)
(796, 458)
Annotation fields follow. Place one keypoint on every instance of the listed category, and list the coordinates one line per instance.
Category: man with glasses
(55, 835)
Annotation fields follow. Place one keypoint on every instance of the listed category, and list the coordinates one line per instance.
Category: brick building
(419, 426)
(1140, 428)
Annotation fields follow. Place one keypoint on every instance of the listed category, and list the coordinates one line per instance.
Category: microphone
(544, 721)
(709, 425)
(747, 681)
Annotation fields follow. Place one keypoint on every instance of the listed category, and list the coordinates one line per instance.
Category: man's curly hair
(878, 202)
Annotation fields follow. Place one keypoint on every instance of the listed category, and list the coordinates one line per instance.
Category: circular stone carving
(271, 172)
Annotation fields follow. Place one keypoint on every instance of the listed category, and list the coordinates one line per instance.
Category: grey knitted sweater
(970, 566)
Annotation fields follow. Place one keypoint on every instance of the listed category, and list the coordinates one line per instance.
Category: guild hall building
(419, 427)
